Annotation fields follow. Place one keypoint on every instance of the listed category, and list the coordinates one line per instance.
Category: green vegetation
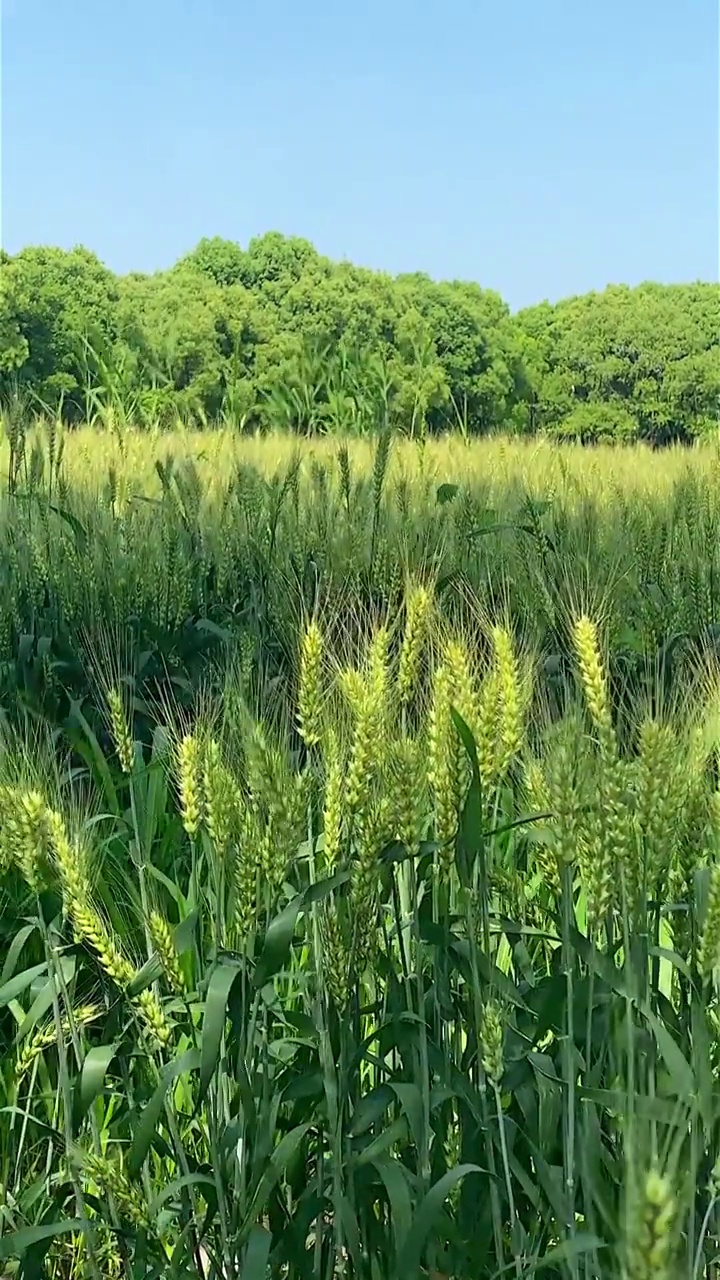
(359, 849)
(200, 541)
(278, 336)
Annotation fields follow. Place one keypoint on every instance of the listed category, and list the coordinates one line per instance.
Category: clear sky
(540, 147)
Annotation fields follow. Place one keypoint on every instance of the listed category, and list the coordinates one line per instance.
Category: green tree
(274, 262)
(14, 347)
(274, 333)
(56, 301)
(627, 347)
(472, 334)
(222, 260)
(421, 387)
(595, 423)
(187, 334)
(692, 391)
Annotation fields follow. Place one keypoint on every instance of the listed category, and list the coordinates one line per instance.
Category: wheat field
(533, 460)
(360, 853)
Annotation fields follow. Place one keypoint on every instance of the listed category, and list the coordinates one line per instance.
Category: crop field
(359, 858)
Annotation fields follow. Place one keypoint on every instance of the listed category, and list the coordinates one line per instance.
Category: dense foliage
(359, 895)
(277, 335)
(425, 989)
(201, 540)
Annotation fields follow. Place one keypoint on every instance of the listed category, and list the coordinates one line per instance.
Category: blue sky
(540, 147)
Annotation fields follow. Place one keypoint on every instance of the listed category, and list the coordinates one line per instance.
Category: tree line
(278, 335)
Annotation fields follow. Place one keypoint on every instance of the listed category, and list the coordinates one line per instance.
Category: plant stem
(568, 917)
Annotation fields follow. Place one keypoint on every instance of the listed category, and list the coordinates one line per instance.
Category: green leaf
(370, 1108)
(481, 530)
(144, 978)
(145, 1131)
(565, 1252)
(351, 1233)
(672, 957)
(410, 1099)
(216, 1002)
(278, 1162)
(255, 1266)
(395, 1181)
(489, 972)
(615, 978)
(703, 1060)
(278, 939)
(323, 888)
(175, 893)
(184, 932)
(13, 952)
(681, 1073)
(44, 999)
(81, 534)
(92, 1077)
(38, 1009)
(18, 1242)
(615, 1101)
(89, 747)
(395, 1132)
(302, 1023)
(523, 821)
(211, 628)
(425, 1218)
(189, 1180)
(15, 986)
(53, 1134)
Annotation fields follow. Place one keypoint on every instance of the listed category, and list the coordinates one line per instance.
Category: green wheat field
(359, 858)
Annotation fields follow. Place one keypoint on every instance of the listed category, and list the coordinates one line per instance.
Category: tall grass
(359, 848)
(419, 980)
(536, 462)
(198, 542)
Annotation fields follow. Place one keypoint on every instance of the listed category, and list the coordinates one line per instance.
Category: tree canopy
(277, 334)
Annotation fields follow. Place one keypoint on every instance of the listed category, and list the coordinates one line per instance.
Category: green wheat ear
(219, 793)
(443, 756)
(26, 815)
(152, 1017)
(649, 1245)
(189, 777)
(594, 681)
(708, 957)
(112, 1180)
(363, 755)
(335, 958)
(511, 719)
(310, 693)
(162, 938)
(120, 729)
(77, 896)
(418, 601)
(334, 802)
(406, 778)
(46, 1036)
(491, 1042)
